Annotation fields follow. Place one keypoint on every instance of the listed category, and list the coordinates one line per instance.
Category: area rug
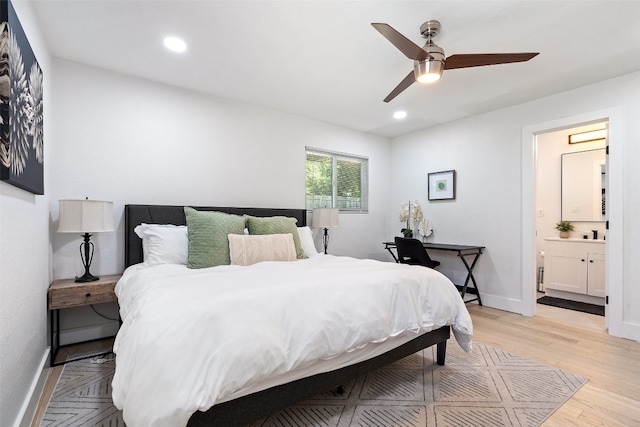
(572, 305)
(489, 387)
(82, 396)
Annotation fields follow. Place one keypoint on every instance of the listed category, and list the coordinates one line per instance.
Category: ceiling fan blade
(481, 59)
(406, 46)
(405, 83)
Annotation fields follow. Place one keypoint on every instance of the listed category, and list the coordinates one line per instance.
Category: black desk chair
(411, 251)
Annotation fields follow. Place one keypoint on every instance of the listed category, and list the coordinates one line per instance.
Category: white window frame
(364, 179)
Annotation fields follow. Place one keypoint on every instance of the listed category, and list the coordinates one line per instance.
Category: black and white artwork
(21, 107)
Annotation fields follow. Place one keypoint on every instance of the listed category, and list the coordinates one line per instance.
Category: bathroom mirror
(583, 186)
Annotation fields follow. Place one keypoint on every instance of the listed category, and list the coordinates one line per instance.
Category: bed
(160, 344)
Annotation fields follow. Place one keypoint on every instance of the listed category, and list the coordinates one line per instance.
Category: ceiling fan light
(175, 44)
(428, 71)
(429, 78)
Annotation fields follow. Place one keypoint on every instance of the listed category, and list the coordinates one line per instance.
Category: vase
(564, 234)
(408, 235)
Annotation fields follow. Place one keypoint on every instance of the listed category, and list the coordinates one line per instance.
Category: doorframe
(614, 246)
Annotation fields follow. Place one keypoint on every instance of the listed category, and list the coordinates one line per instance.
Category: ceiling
(323, 60)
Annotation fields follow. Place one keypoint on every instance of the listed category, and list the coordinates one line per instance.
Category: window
(337, 180)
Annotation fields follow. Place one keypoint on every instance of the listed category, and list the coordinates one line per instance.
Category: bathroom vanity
(575, 269)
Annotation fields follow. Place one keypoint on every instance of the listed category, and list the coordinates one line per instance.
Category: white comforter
(190, 338)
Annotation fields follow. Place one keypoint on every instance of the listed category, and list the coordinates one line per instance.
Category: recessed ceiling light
(399, 115)
(175, 44)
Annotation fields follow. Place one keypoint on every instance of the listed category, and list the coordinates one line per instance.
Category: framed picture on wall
(442, 185)
(21, 107)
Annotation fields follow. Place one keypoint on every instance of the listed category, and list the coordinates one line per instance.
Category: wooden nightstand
(66, 293)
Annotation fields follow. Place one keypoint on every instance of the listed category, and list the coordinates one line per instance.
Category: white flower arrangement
(404, 212)
(417, 211)
(406, 215)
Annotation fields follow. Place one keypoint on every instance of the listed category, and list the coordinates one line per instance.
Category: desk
(463, 251)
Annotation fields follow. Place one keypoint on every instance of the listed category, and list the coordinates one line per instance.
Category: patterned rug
(489, 387)
(82, 396)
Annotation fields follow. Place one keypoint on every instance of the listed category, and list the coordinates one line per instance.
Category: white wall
(484, 154)
(24, 263)
(129, 140)
(486, 151)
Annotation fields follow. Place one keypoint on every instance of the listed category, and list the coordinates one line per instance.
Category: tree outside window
(336, 180)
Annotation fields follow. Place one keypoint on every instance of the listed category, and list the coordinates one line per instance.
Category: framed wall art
(442, 185)
(21, 106)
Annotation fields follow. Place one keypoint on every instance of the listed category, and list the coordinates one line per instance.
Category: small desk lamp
(325, 218)
(85, 216)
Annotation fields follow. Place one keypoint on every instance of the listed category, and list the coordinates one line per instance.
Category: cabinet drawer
(63, 298)
(66, 293)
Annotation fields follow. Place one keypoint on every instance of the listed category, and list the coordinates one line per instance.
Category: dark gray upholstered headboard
(164, 214)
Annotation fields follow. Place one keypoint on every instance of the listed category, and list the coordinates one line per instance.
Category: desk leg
(392, 254)
(470, 274)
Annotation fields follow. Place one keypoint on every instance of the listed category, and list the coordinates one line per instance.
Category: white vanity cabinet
(575, 265)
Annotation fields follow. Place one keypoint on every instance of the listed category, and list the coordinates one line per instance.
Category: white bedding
(192, 338)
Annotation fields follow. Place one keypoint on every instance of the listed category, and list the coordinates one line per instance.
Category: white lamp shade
(325, 218)
(85, 216)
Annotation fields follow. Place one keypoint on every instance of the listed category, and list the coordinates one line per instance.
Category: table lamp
(85, 216)
(325, 218)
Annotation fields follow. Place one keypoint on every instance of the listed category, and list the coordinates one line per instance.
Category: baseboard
(631, 331)
(502, 303)
(88, 333)
(30, 405)
(86, 323)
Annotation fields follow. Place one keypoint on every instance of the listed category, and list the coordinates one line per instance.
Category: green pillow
(208, 241)
(276, 225)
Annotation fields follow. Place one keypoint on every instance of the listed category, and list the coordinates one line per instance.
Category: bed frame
(246, 409)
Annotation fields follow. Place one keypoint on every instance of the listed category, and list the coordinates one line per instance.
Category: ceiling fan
(429, 61)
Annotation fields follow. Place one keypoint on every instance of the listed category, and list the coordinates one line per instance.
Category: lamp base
(86, 277)
(86, 254)
(325, 239)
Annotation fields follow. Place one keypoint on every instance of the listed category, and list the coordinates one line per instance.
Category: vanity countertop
(558, 239)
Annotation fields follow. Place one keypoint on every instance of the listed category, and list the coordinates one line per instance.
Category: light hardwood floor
(611, 397)
(577, 343)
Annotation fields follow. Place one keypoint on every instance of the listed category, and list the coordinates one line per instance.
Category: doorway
(613, 256)
(571, 187)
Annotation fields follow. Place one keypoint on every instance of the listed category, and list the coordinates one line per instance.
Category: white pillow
(251, 249)
(163, 243)
(306, 241)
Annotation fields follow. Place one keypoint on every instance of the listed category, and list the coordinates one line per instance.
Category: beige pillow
(275, 225)
(248, 249)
